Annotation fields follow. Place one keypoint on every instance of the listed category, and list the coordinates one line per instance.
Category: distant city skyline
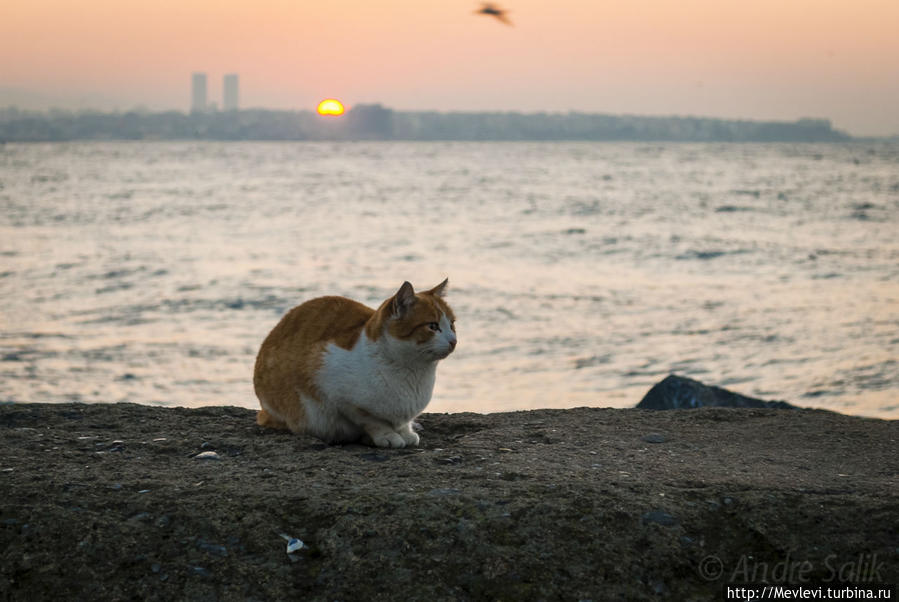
(198, 99)
(765, 60)
(231, 92)
(199, 93)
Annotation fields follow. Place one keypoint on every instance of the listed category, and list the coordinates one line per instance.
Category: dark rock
(655, 438)
(678, 393)
(374, 457)
(659, 517)
(444, 491)
(212, 548)
(449, 460)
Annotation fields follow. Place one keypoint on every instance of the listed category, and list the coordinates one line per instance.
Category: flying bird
(488, 8)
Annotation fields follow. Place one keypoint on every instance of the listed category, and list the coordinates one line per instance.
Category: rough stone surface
(681, 393)
(106, 502)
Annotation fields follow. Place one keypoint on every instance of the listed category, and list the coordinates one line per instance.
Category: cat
(343, 372)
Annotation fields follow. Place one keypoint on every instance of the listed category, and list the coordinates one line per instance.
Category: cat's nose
(452, 344)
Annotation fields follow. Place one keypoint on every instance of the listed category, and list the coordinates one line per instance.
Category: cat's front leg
(387, 439)
(409, 436)
(379, 431)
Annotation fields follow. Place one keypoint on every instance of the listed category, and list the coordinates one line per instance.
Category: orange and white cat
(341, 371)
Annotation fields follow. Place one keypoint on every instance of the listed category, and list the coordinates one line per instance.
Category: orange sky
(761, 59)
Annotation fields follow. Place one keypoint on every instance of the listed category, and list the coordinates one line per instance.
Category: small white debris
(293, 544)
(207, 455)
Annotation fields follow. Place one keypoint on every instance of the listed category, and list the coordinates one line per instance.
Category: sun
(330, 106)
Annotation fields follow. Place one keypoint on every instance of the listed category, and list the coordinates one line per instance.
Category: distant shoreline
(375, 122)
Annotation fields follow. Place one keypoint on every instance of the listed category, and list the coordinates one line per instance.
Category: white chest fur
(370, 377)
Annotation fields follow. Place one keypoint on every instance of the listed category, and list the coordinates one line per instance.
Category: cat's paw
(388, 440)
(410, 437)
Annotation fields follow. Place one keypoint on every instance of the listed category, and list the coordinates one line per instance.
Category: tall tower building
(198, 103)
(230, 94)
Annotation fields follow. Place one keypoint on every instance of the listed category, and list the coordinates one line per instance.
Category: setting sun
(330, 106)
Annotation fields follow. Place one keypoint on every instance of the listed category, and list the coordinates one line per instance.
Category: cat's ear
(404, 299)
(440, 289)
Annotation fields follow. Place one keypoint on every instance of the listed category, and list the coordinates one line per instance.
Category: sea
(580, 273)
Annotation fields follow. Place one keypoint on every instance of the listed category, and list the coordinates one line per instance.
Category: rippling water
(581, 273)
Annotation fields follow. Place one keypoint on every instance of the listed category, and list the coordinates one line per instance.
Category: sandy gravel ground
(111, 502)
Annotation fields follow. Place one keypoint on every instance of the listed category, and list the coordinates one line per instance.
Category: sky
(759, 59)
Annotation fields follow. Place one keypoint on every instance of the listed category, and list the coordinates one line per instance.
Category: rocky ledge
(133, 502)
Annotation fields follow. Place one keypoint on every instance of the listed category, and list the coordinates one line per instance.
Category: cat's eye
(434, 326)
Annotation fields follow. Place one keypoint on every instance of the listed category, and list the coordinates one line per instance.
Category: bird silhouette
(488, 8)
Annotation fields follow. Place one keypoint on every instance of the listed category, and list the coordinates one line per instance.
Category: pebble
(659, 517)
(212, 548)
(374, 457)
(445, 491)
(207, 455)
(655, 438)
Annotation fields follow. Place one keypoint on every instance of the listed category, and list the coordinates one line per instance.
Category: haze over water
(581, 273)
(761, 60)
